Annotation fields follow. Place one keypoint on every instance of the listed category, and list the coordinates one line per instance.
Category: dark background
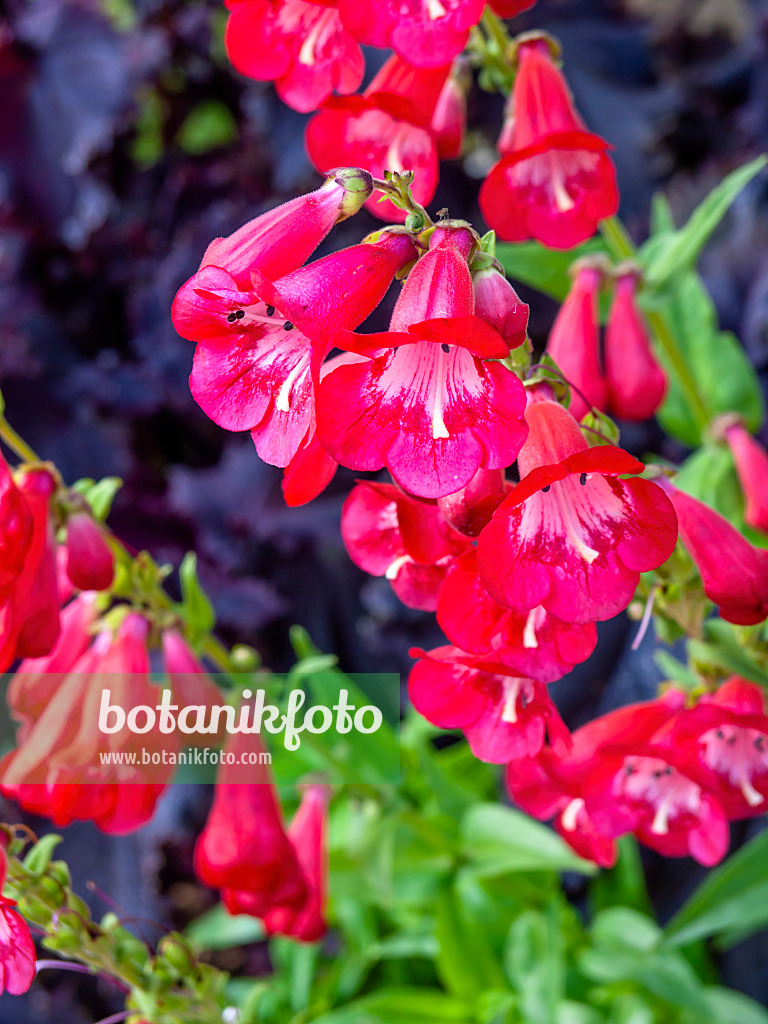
(126, 144)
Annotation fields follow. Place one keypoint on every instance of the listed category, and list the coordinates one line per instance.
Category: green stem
(496, 30)
(17, 443)
(621, 247)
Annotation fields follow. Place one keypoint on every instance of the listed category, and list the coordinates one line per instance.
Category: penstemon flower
(497, 302)
(432, 407)
(301, 45)
(751, 461)
(573, 535)
(555, 181)
(636, 382)
(90, 560)
(17, 950)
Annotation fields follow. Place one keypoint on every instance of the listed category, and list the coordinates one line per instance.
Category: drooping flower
(404, 121)
(533, 644)
(17, 950)
(727, 734)
(190, 683)
(497, 302)
(426, 33)
(751, 461)
(636, 382)
(471, 508)
(733, 571)
(428, 405)
(59, 769)
(555, 181)
(388, 533)
(449, 118)
(253, 365)
(573, 536)
(16, 528)
(574, 342)
(302, 46)
(511, 8)
(90, 560)
(280, 240)
(503, 716)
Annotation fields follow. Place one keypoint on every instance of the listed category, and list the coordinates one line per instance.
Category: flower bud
(497, 302)
(90, 561)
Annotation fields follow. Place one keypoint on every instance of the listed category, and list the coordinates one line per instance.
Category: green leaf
(666, 976)
(40, 855)
(542, 268)
(401, 1005)
(498, 840)
(733, 897)
(456, 931)
(533, 958)
(724, 648)
(734, 1008)
(218, 929)
(671, 254)
(195, 608)
(101, 495)
(209, 126)
(623, 885)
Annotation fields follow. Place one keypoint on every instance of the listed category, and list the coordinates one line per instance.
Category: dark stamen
(760, 743)
(287, 326)
(240, 313)
(446, 348)
(545, 489)
(720, 734)
(583, 479)
(231, 318)
(270, 310)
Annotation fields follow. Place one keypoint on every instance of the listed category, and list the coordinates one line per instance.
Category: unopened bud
(358, 188)
(90, 560)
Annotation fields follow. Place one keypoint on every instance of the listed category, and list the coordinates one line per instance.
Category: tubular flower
(190, 683)
(449, 118)
(553, 785)
(57, 769)
(471, 508)
(503, 716)
(16, 530)
(388, 533)
(574, 343)
(727, 735)
(511, 8)
(253, 364)
(29, 617)
(636, 382)
(17, 950)
(497, 302)
(245, 851)
(402, 122)
(554, 181)
(533, 644)
(428, 405)
(90, 560)
(733, 571)
(280, 240)
(426, 33)
(752, 467)
(302, 46)
(572, 536)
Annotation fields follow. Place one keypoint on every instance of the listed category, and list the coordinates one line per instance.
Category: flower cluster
(17, 950)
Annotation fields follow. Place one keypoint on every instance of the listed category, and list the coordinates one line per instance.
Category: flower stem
(621, 247)
(17, 443)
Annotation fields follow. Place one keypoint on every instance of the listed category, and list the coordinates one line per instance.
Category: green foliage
(545, 269)
(209, 126)
(195, 608)
(100, 494)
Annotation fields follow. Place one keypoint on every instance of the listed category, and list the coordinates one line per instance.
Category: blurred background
(126, 144)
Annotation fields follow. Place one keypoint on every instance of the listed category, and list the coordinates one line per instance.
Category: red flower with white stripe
(572, 536)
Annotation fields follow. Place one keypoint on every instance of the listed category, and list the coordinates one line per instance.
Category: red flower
(511, 8)
(253, 363)
(16, 528)
(497, 302)
(90, 560)
(752, 467)
(388, 533)
(280, 240)
(733, 571)
(245, 851)
(57, 769)
(302, 46)
(574, 343)
(190, 683)
(554, 181)
(503, 716)
(405, 120)
(471, 508)
(17, 950)
(533, 644)
(449, 118)
(636, 382)
(426, 33)
(427, 406)
(572, 536)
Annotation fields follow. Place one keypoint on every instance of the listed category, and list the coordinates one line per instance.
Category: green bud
(358, 187)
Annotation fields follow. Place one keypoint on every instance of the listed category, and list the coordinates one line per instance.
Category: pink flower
(503, 716)
(554, 181)
(16, 528)
(449, 118)
(404, 121)
(733, 571)
(388, 533)
(511, 8)
(426, 33)
(302, 46)
(574, 343)
(726, 734)
(752, 467)
(636, 382)
(253, 364)
(497, 302)
(533, 643)
(280, 240)
(428, 405)
(90, 560)
(472, 508)
(190, 683)
(17, 950)
(573, 536)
